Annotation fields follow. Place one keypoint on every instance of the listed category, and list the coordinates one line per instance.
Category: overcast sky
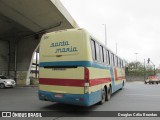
(133, 24)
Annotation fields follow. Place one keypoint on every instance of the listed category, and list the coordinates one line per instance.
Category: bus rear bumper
(74, 99)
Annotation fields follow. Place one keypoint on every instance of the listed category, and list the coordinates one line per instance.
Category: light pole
(136, 56)
(105, 29)
(136, 59)
(144, 70)
(149, 61)
(116, 48)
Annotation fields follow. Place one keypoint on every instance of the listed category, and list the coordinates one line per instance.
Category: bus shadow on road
(67, 107)
(64, 110)
(59, 109)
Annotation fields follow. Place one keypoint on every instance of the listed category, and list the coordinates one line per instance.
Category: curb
(25, 86)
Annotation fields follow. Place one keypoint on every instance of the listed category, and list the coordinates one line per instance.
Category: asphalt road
(136, 96)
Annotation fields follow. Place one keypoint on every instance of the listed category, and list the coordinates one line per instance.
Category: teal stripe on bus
(74, 63)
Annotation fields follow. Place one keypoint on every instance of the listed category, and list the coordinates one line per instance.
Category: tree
(138, 69)
(135, 68)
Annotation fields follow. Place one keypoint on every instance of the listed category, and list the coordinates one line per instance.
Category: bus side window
(115, 61)
(97, 52)
(123, 64)
(101, 54)
(108, 56)
(111, 58)
(105, 56)
(93, 49)
(120, 63)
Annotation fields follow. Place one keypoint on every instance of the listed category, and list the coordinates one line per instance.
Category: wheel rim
(103, 95)
(109, 93)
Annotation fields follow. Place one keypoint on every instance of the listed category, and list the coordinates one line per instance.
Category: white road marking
(143, 95)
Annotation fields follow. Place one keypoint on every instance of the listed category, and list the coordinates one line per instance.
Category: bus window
(108, 56)
(101, 54)
(97, 52)
(105, 55)
(93, 49)
(111, 58)
(115, 61)
(120, 63)
(123, 64)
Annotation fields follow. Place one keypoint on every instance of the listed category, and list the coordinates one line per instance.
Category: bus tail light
(86, 80)
(86, 75)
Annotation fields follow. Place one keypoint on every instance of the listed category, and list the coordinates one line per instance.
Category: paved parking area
(136, 96)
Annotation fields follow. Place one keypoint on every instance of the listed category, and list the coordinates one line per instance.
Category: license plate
(58, 95)
(60, 69)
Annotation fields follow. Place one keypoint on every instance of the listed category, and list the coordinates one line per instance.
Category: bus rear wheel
(108, 94)
(122, 86)
(103, 99)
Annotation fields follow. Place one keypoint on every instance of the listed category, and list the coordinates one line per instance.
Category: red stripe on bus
(62, 82)
(72, 82)
(98, 81)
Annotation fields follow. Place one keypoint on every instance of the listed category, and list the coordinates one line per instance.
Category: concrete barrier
(134, 78)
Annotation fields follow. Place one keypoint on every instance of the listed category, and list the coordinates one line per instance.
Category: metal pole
(105, 29)
(36, 65)
(9, 54)
(15, 62)
(105, 36)
(144, 70)
(116, 47)
(154, 66)
(154, 70)
(136, 55)
(136, 59)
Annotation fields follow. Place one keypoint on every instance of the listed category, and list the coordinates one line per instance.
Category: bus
(75, 68)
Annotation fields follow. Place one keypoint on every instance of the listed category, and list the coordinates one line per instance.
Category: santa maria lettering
(56, 44)
(66, 47)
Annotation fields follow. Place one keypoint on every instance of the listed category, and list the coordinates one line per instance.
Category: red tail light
(86, 75)
(86, 80)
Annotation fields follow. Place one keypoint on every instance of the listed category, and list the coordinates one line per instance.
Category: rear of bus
(63, 74)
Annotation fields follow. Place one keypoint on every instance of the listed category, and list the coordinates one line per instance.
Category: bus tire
(103, 96)
(108, 93)
(122, 86)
